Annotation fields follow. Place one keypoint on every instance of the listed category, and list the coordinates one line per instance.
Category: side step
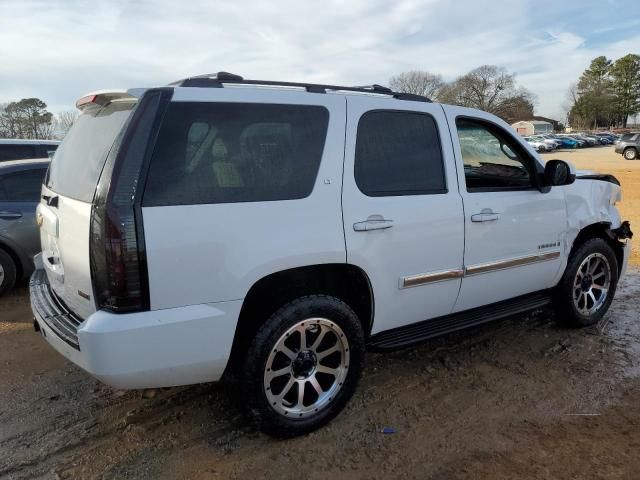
(419, 332)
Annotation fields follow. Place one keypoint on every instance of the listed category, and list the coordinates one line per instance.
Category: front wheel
(586, 290)
(303, 365)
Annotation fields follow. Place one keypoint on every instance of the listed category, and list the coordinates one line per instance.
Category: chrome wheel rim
(591, 284)
(629, 154)
(306, 368)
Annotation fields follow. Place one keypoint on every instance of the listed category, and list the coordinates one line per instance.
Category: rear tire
(588, 285)
(630, 154)
(7, 272)
(274, 371)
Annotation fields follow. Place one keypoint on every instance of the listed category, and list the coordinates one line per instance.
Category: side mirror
(558, 172)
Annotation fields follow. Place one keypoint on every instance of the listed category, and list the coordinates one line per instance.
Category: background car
(565, 142)
(20, 185)
(21, 149)
(629, 145)
(550, 143)
(539, 146)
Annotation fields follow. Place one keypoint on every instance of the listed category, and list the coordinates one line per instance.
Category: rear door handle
(486, 215)
(372, 225)
(7, 215)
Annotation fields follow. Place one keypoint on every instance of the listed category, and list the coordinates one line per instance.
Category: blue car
(566, 142)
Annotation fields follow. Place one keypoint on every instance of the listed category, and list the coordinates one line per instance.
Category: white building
(532, 127)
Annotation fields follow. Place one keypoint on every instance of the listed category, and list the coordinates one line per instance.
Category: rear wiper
(52, 200)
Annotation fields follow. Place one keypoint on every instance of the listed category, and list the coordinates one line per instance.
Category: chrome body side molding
(510, 263)
(442, 275)
(423, 278)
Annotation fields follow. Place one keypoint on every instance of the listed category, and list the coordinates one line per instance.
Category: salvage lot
(519, 398)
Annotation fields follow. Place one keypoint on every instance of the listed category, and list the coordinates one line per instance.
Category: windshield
(77, 163)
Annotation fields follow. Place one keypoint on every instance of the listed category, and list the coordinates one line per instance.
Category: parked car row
(547, 142)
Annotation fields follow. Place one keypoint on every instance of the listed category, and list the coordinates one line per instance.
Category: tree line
(606, 94)
(488, 87)
(29, 118)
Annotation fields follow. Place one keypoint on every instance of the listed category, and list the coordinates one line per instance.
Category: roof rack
(217, 80)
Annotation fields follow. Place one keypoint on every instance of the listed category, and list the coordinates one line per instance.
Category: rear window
(78, 161)
(629, 137)
(17, 152)
(235, 152)
(22, 186)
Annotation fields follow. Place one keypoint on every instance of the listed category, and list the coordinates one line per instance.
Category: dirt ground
(521, 398)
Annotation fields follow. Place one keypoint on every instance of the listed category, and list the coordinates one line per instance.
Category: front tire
(7, 272)
(303, 365)
(588, 285)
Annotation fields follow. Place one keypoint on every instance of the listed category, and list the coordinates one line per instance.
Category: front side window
(491, 159)
(235, 152)
(398, 153)
(22, 186)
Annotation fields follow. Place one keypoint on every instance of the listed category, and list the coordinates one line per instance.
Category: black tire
(7, 272)
(252, 377)
(569, 313)
(630, 154)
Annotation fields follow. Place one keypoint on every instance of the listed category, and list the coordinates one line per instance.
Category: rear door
(67, 196)
(403, 218)
(19, 196)
(514, 233)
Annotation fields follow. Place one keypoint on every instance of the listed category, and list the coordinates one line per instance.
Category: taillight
(117, 247)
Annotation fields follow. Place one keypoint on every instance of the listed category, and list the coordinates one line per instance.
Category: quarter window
(491, 159)
(236, 152)
(398, 153)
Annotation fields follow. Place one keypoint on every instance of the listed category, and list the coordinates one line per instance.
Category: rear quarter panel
(216, 252)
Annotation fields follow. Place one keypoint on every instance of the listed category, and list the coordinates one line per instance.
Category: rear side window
(17, 152)
(398, 153)
(78, 161)
(22, 186)
(235, 152)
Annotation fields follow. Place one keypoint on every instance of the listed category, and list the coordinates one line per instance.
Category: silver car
(20, 184)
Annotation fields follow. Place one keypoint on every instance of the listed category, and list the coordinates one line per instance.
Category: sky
(58, 50)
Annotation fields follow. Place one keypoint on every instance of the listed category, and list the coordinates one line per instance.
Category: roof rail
(217, 80)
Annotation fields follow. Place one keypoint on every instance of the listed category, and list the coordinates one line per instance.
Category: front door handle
(7, 215)
(486, 215)
(372, 225)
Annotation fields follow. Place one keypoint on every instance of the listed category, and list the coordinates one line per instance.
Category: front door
(403, 218)
(514, 232)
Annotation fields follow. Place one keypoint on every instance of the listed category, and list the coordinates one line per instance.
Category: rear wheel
(7, 272)
(588, 285)
(303, 365)
(630, 154)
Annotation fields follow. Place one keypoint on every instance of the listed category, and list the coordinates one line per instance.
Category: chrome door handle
(5, 215)
(372, 225)
(486, 215)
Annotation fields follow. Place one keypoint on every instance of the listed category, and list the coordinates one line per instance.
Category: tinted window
(492, 160)
(235, 152)
(78, 161)
(22, 186)
(398, 153)
(17, 152)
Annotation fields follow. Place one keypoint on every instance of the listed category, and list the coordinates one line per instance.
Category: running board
(419, 332)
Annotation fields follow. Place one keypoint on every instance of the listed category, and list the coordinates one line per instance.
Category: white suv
(276, 230)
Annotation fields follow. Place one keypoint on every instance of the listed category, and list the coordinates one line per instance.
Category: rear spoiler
(105, 97)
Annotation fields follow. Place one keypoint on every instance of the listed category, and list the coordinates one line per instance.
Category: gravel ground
(520, 398)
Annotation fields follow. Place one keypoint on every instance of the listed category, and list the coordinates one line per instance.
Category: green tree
(27, 118)
(625, 85)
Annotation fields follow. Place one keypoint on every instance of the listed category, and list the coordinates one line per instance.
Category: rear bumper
(161, 348)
